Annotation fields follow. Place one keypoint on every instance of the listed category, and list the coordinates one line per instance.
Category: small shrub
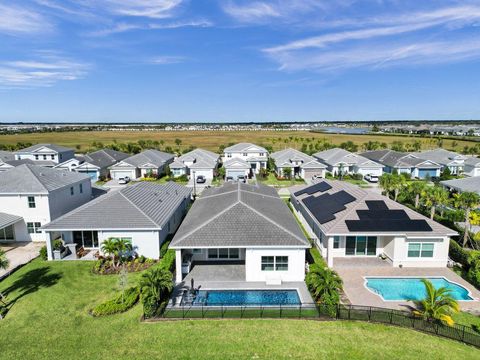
(119, 304)
(458, 254)
(44, 253)
(58, 244)
(168, 260)
(164, 249)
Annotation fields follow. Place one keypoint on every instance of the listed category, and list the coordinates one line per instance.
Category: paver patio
(18, 254)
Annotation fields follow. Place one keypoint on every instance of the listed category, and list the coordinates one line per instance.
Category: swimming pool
(247, 297)
(398, 289)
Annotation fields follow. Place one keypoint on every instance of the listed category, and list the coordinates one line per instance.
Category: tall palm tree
(467, 201)
(435, 196)
(109, 247)
(416, 189)
(438, 304)
(386, 183)
(398, 182)
(155, 285)
(3, 260)
(324, 283)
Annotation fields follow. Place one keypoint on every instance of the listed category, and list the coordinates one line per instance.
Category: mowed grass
(211, 140)
(49, 320)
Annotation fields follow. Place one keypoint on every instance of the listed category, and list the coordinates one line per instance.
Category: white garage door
(373, 171)
(235, 173)
(207, 173)
(121, 174)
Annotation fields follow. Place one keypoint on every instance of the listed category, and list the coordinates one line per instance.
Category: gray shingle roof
(53, 147)
(201, 158)
(285, 158)
(335, 156)
(397, 159)
(33, 179)
(239, 215)
(338, 226)
(155, 157)
(105, 157)
(244, 147)
(6, 156)
(144, 205)
(440, 156)
(8, 219)
(236, 163)
(473, 161)
(471, 184)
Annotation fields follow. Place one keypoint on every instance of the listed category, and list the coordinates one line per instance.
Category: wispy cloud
(385, 41)
(19, 20)
(251, 12)
(45, 69)
(166, 60)
(125, 27)
(157, 9)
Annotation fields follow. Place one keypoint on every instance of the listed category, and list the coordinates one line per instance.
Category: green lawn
(49, 319)
(272, 180)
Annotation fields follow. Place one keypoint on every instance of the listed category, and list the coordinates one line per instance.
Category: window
(268, 263)
(223, 253)
(71, 190)
(31, 202)
(234, 253)
(34, 227)
(7, 234)
(36, 157)
(81, 188)
(281, 263)
(245, 154)
(197, 251)
(44, 157)
(229, 155)
(420, 249)
(361, 245)
(52, 157)
(262, 154)
(212, 253)
(336, 242)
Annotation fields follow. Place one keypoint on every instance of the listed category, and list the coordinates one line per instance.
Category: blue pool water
(412, 288)
(247, 297)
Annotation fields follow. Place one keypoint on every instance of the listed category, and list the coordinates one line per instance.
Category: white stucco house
(247, 225)
(47, 155)
(198, 161)
(141, 165)
(32, 196)
(144, 213)
(235, 168)
(447, 159)
(471, 167)
(300, 164)
(256, 156)
(407, 163)
(345, 162)
(347, 221)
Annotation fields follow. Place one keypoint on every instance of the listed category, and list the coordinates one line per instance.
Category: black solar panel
(382, 215)
(388, 225)
(325, 207)
(320, 187)
(376, 205)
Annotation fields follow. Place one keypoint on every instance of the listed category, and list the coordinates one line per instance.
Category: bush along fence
(400, 318)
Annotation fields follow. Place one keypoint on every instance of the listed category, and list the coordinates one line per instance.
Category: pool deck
(354, 285)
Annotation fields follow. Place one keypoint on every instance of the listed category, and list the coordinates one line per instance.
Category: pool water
(247, 297)
(412, 288)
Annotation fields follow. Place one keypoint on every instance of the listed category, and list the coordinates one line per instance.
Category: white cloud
(166, 60)
(124, 27)
(251, 12)
(17, 20)
(157, 9)
(45, 69)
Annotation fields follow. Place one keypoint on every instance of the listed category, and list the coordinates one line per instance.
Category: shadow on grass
(26, 284)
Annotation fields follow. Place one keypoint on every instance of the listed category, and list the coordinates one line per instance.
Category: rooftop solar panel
(376, 205)
(388, 226)
(320, 187)
(324, 207)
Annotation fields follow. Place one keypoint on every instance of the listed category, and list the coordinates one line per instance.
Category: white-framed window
(36, 157)
(274, 263)
(44, 157)
(424, 250)
(245, 154)
(223, 253)
(31, 202)
(336, 242)
(229, 155)
(34, 227)
(52, 157)
(262, 154)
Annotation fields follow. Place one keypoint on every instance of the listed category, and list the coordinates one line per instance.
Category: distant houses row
(243, 159)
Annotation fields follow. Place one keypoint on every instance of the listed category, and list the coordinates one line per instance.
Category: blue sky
(233, 60)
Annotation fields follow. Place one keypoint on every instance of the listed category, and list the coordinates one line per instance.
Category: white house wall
(145, 243)
(61, 202)
(253, 263)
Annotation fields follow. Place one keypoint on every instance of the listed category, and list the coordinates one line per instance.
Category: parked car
(201, 179)
(242, 178)
(124, 180)
(371, 178)
(229, 178)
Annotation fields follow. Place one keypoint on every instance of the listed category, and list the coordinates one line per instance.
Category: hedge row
(119, 304)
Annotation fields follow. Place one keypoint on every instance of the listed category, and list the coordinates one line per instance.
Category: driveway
(199, 187)
(113, 185)
(18, 254)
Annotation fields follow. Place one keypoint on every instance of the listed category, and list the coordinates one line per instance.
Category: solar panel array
(321, 186)
(379, 218)
(324, 207)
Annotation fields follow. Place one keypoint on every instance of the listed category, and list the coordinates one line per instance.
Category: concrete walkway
(18, 254)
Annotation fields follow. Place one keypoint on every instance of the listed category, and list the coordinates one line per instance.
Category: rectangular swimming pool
(401, 289)
(247, 297)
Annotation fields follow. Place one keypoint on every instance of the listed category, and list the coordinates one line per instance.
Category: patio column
(330, 251)
(178, 266)
(49, 243)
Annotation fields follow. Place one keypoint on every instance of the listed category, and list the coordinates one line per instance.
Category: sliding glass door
(361, 245)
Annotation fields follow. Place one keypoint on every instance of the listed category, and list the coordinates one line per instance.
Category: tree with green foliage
(438, 304)
(386, 183)
(287, 173)
(397, 182)
(416, 189)
(3, 260)
(325, 285)
(155, 286)
(117, 248)
(467, 201)
(434, 197)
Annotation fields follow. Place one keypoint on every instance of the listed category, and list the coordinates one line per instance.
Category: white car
(124, 180)
(371, 178)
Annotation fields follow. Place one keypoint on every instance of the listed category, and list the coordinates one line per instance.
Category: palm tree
(467, 201)
(324, 283)
(109, 247)
(435, 196)
(155, 285)
(386, 183)
(416, 189)
(3, 260)
(398, 182)
(438, 304)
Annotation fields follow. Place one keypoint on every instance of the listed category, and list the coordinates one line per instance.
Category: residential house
(470, 184)
(236, 167)
(247, 225)
(47, 155)
(447, 159)
(7, 161)
(96, 164)
(32, 196)
(70, 164)
(400, 162)
(199, 162)
(472, 166)
(340, 161)
(144, 164)
(144, 213)
(300, 164)
(347, 221)
(256, 156)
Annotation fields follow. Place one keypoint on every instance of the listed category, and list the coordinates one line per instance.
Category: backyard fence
(400, 318)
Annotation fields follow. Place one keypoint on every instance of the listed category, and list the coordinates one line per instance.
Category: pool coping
(365, 280)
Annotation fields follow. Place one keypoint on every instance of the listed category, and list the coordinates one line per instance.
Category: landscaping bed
(105, 266)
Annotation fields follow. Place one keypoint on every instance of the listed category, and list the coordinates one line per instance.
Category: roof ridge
(28, 166)
(254, 193)
(215, 195)
(141, 211)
